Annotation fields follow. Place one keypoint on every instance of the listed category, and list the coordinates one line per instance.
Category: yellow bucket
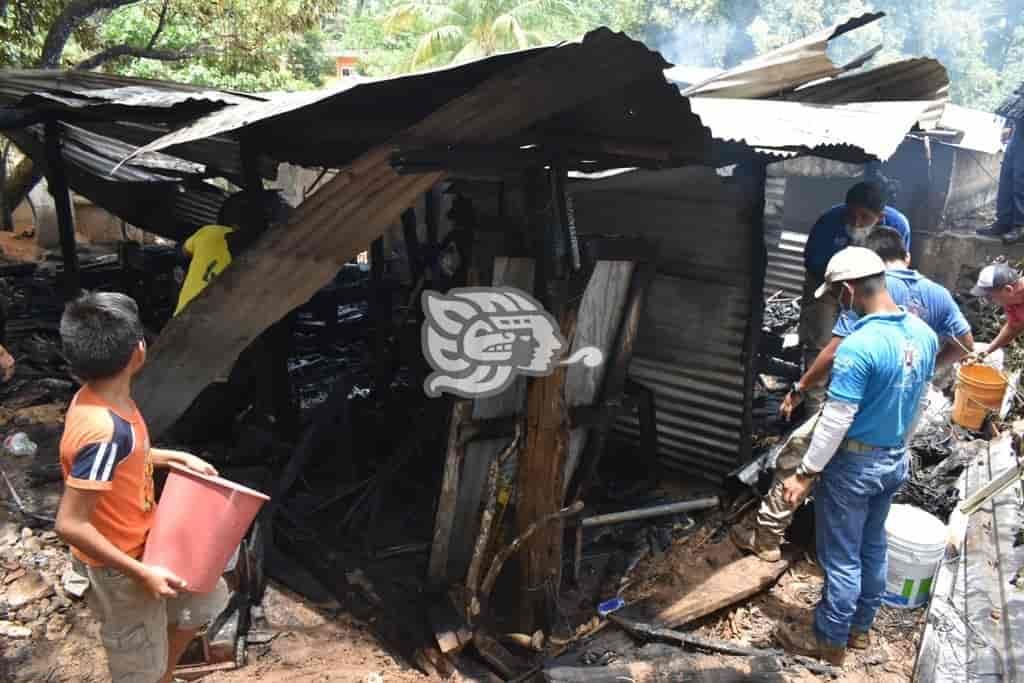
(979, 391)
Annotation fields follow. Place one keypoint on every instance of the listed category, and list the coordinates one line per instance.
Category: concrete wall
(953, 259)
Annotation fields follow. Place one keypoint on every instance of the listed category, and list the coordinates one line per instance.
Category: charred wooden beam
(448, 496)
(57, 180)
(412, 243)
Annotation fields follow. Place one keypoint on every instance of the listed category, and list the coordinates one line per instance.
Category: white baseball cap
(852, 263)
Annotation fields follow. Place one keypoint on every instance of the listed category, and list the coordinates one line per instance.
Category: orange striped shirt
(103, 450)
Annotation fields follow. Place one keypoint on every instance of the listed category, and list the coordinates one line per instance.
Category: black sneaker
(994, 230)
(1014, 236)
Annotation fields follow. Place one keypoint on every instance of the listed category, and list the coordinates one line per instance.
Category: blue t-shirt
(928, 300)
(884, 367)
(828, 236)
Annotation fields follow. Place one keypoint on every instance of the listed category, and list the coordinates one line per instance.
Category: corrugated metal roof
(982, 131)
(785, 68)
(876, 128)
(81, 89)
(911, 79)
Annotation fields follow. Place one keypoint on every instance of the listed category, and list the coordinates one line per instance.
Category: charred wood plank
(448, 496)
(616, 373)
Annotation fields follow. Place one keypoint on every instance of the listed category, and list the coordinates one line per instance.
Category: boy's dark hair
(887, 243)
(869, 195)
(100, 331)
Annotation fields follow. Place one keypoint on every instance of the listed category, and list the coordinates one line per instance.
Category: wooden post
(380, 313)
(58, 184)
(542, 460)
(412, 244)
(433, 216)
(278, 336)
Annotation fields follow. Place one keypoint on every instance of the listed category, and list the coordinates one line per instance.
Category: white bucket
(912, 563)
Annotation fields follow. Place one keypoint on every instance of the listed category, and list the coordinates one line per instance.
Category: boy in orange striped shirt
(107, 507)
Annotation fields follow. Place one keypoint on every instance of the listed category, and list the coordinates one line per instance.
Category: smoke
(695, 43)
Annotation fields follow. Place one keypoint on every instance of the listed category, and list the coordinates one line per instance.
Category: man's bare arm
(1007, 334)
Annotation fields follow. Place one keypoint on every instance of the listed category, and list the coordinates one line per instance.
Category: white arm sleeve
(835, 421)
(922, 406)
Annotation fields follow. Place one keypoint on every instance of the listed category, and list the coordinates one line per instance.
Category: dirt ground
(895, 636)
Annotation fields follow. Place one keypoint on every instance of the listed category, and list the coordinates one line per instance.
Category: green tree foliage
(469, 29)
(248, 45)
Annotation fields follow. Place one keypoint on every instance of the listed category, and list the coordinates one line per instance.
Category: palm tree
(461, 30)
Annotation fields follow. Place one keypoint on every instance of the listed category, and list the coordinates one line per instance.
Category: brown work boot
(859, 640)
(800, 639)
(750, 540)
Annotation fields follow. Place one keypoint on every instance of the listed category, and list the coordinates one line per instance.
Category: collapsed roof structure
(674, 299)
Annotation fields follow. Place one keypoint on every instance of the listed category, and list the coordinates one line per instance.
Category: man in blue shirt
(858, 452)
(841, 226)
(915, 293)
(910, 289)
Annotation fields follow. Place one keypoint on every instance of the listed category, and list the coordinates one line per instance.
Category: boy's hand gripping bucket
(199, 522)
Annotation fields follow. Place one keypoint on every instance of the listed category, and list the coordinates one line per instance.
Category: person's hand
(161, 583)
(795, 488)
(975, 357)
(793, 400)
(197, 464)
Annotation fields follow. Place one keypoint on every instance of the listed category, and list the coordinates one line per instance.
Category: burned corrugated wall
(691, 348)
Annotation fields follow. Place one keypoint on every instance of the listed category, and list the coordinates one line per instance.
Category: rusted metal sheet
(783, 69)
(690, 348)
(919, 80)
(160, 204)
(877, 128)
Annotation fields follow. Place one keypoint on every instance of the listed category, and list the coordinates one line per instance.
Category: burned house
(634, 213)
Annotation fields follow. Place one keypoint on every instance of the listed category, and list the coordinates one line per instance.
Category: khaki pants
(817, 319)
(133, 624)
(775, 515)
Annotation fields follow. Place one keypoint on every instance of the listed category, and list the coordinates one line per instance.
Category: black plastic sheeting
(975, 629)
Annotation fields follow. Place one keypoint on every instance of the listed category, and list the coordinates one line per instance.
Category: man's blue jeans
(1010, 196)
(851, 501)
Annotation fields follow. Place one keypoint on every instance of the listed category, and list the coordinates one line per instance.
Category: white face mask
(858, 236)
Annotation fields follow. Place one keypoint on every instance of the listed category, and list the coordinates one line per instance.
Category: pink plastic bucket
(199, 522)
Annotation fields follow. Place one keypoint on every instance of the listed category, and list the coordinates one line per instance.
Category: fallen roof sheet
(785, 68)
(910, 79)
(877, 128)
(982, 131)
